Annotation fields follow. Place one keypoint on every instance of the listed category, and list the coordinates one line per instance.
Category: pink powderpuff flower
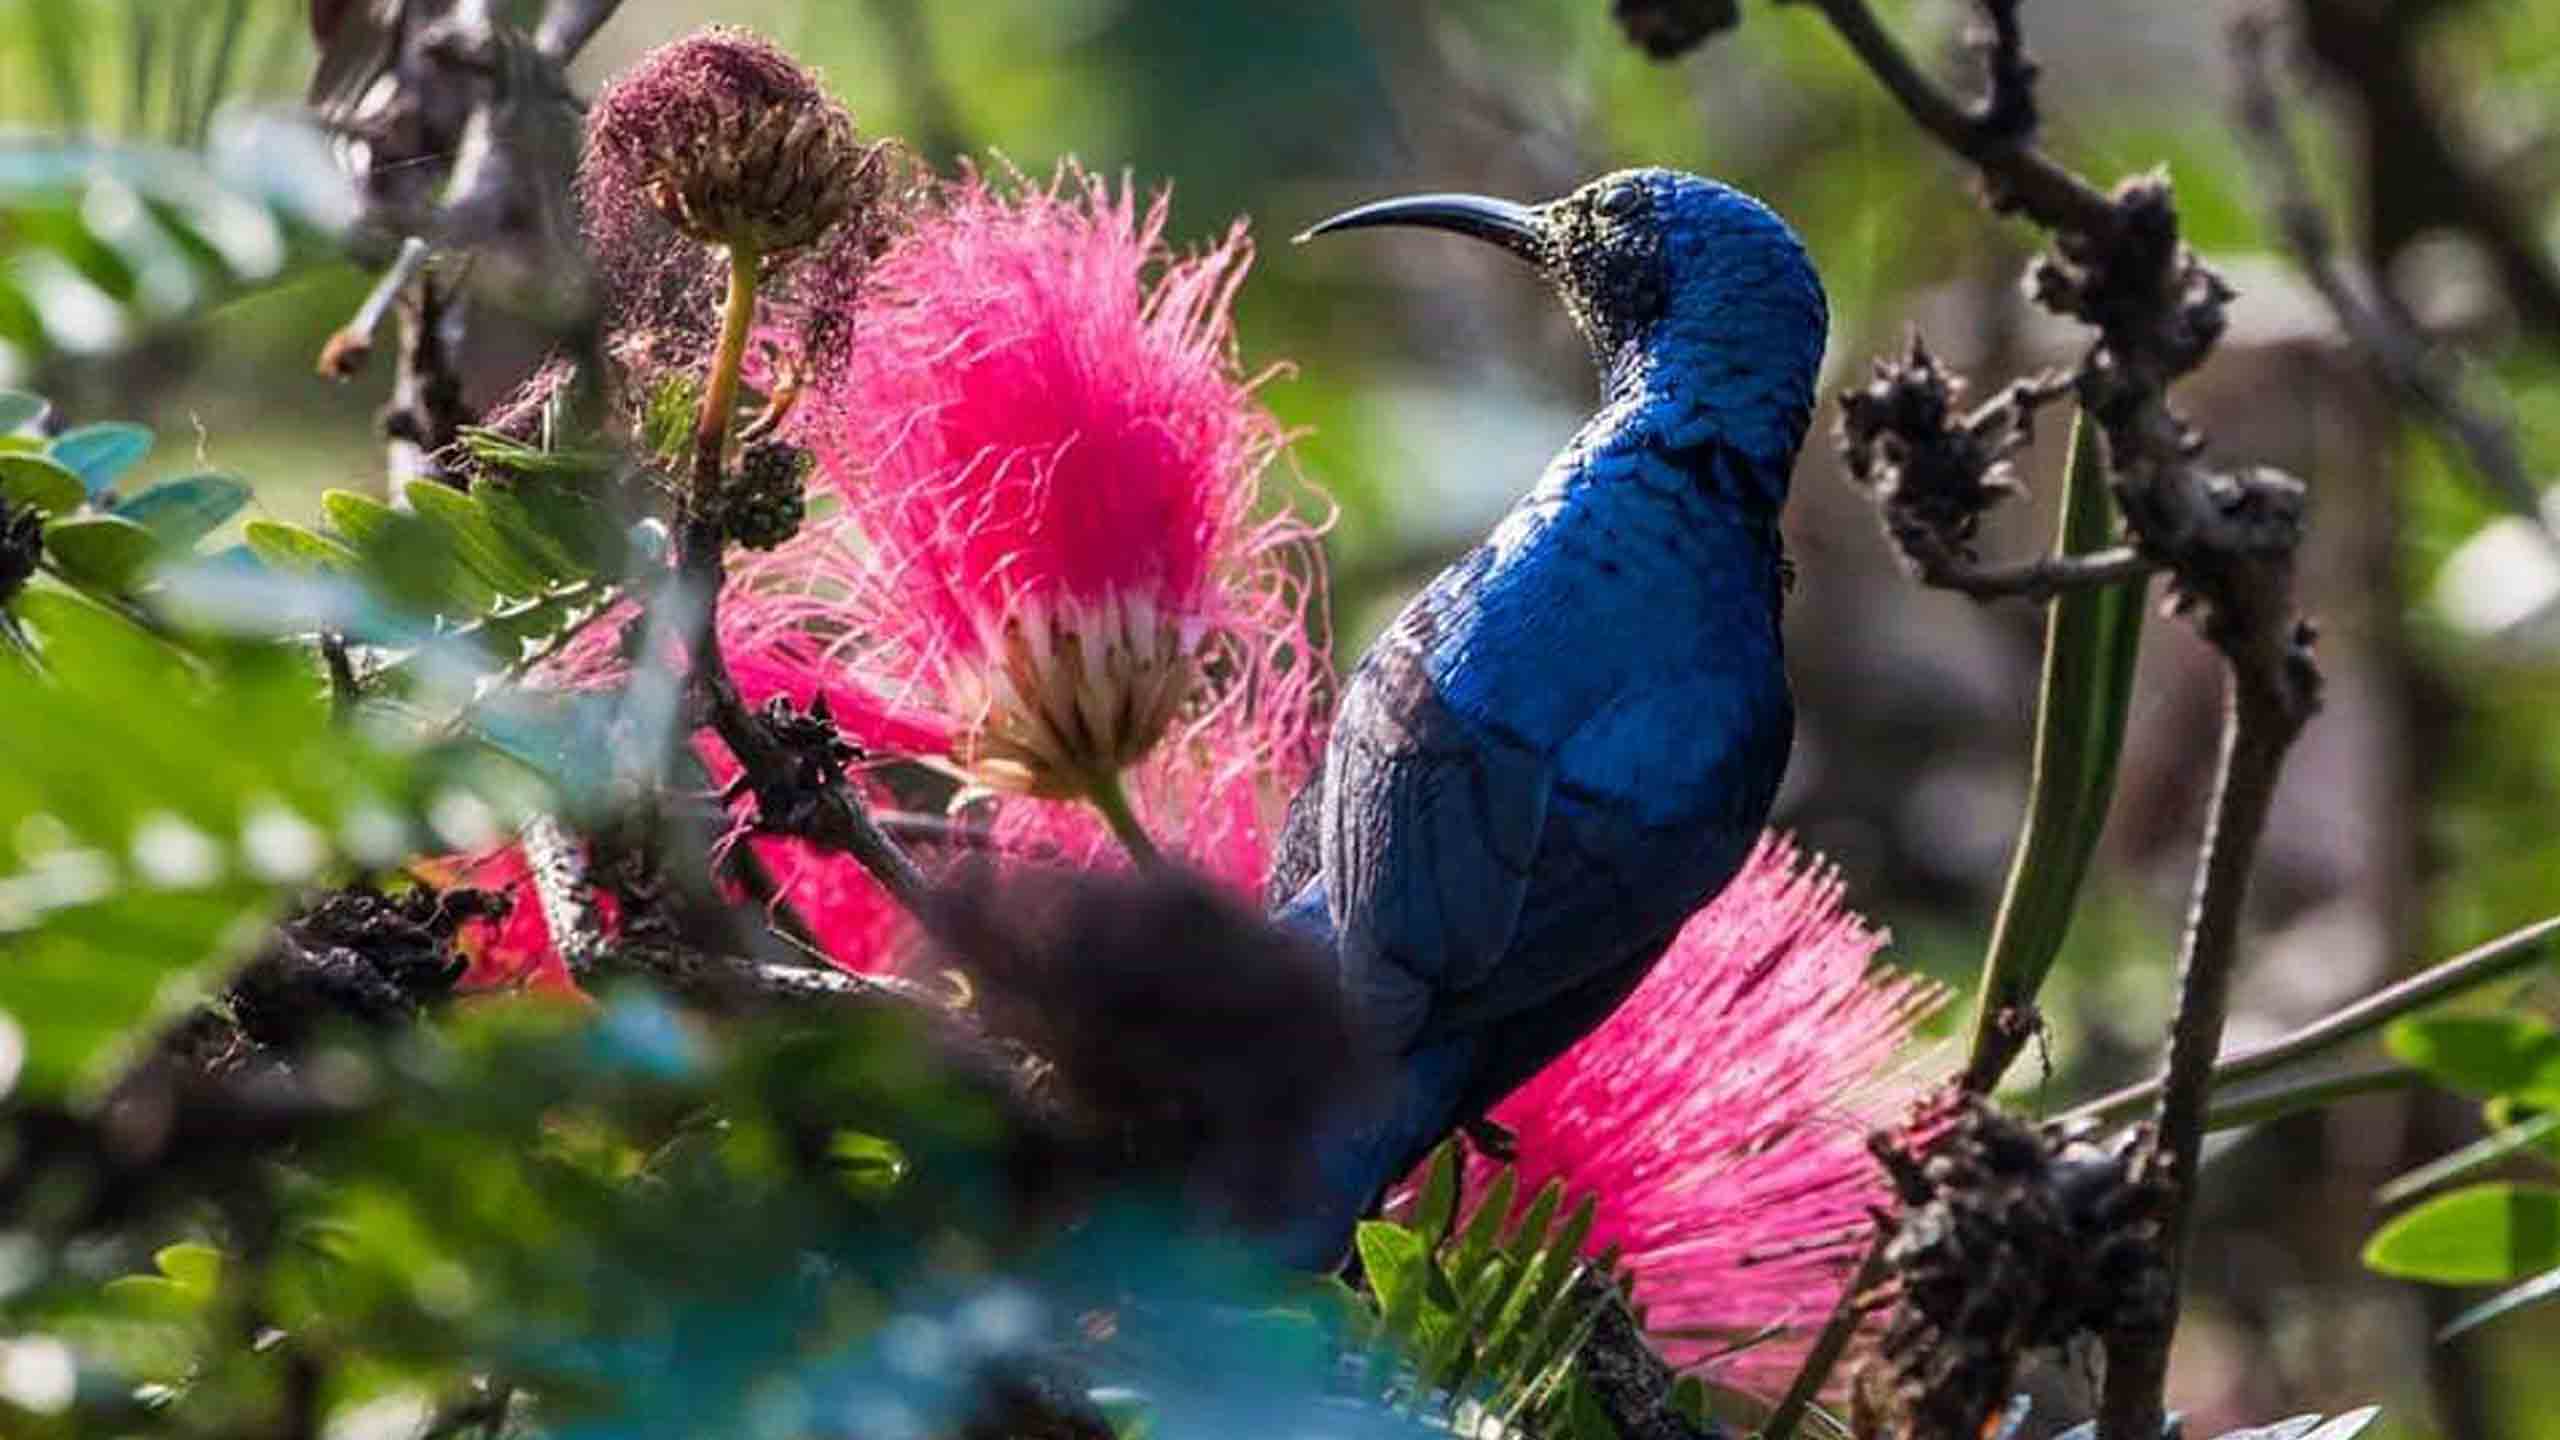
(1047, 547)
(1719, 1117)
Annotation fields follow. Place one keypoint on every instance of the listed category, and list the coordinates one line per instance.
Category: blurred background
(1430, 379)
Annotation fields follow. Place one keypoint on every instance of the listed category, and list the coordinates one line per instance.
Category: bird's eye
(1619, 201)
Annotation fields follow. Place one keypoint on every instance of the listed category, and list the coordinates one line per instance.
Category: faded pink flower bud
(734, 142)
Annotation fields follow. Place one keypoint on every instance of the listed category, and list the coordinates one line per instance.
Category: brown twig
(2258, 728)
(793, 796)
(2481, 965)
(1996, 135)
(1829, 1345)
(2420, 180)
(567, 25)
(2426, 385)
(2226, 540)
(2038, 580)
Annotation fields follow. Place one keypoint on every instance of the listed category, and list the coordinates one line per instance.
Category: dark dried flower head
(2160, 306)
(1935, 469)
(733, 142)
(1667, 29)
(1178, 1030)
(2010, 1238)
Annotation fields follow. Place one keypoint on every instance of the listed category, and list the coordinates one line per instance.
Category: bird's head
(1689, 291)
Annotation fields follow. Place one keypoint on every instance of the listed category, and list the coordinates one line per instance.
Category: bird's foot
(1492, 1139)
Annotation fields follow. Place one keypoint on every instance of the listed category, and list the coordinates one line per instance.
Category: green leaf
(18, 410)
(1531, 1236)
(363, 520)
(106, 553)
(182, 512)
(294, 549)
(1438, 1206)
(459, 519)
(2479, 1155)
(870, 1164)
(2540, 1288)
(2484, 1054)
(2482, 1235)
(2091, 640)
(33, 480)
(1584, 1417)
(194, 1268)
(557, 558)
(1689, 1397)
(102, 454)
(1493, 1212)
(408, 561)
(190, 1276)
(1391, 1256)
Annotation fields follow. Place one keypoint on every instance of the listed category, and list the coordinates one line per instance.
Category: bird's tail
(1365, 1152)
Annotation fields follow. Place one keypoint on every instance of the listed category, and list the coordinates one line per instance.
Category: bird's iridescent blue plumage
(1568, 742)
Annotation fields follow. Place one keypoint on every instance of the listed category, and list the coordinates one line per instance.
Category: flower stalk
(720, 385)
(1111, 796)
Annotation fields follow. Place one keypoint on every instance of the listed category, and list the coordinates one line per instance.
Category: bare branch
(2038, 580)
(2426, 385)
(567, 26)
(1995, 136)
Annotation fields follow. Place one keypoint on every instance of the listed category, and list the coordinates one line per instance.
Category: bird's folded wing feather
(1431, 824)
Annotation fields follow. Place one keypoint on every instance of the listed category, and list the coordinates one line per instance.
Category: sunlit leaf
(107, 553)
(2484, 1054)
(296, 549)
(2481, 1235)
(33, 480)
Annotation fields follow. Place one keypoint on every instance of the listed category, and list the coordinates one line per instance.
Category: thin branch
(567, 26)
(2226, 539)
(2482, 965)
(1828, 1346)
(345, 693)
(2426, 386)
(2292, 1097)
(829, 817)
(352, 344)
(2021, 177)
(2038, 580)
(826, 813)
(2258, 728)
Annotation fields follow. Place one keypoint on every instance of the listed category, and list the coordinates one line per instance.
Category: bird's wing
(1656, 800)
(1431, 822)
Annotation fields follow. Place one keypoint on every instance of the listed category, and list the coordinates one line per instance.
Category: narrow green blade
(2092, 638)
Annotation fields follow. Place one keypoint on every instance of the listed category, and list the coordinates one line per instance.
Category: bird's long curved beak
(1517, 228)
